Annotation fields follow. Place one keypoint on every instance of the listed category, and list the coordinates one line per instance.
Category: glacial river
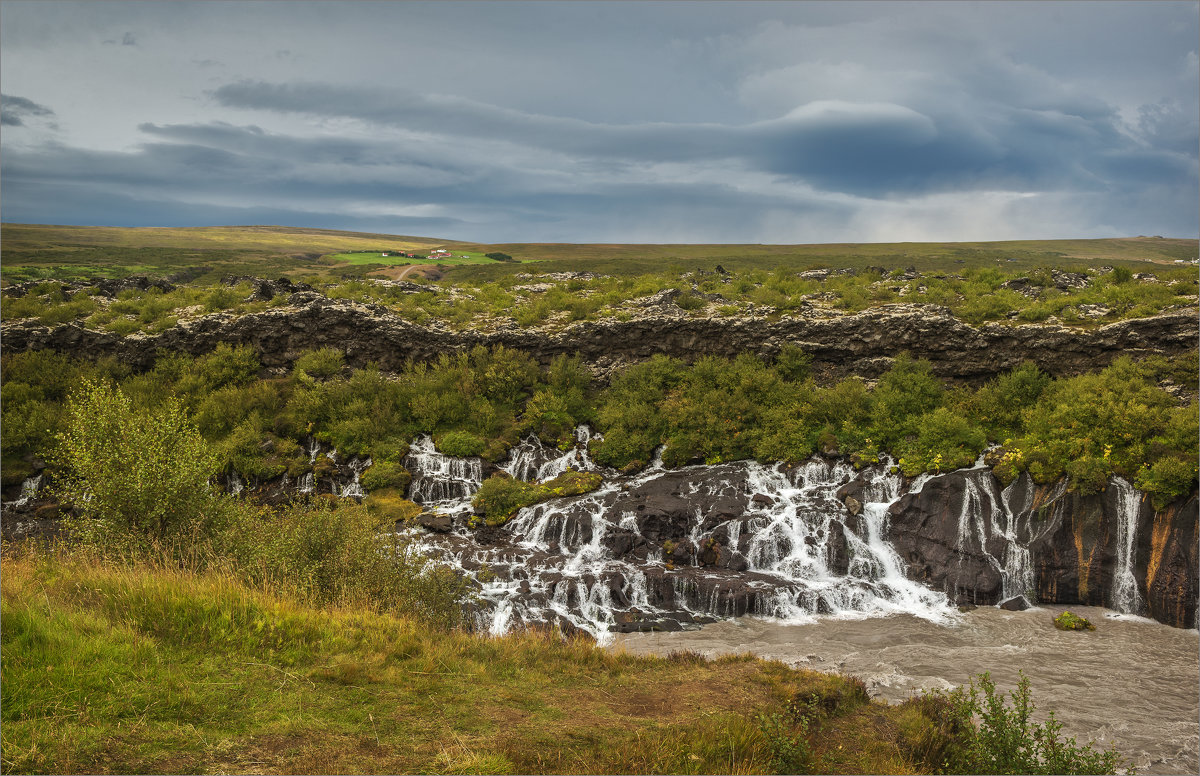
(1132, 682)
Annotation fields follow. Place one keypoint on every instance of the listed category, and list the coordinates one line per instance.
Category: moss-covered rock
(1070, 621)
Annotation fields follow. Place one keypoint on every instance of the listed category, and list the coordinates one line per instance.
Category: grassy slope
(273, 250)
(117, 669)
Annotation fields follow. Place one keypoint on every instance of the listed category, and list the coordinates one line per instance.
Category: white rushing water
(439, 478)
(353, 489)
(29, 491)
(1125, 596)
(595, 564)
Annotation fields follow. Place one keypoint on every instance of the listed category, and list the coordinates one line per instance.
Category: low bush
(500, 497)
(142, 476)
(321, 364)
(460, 444)
(385, 474)
(1007, 741)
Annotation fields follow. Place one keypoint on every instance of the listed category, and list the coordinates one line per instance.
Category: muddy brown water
(1132, 683)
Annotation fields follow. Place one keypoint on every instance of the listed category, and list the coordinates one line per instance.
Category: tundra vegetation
(176, 628)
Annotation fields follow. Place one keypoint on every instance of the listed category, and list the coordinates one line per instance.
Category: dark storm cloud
(13, 110)
(867, 149)
(712, 121)
(169, 179)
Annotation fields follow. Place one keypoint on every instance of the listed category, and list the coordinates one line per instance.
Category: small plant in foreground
(1006, 741)
(791, 751)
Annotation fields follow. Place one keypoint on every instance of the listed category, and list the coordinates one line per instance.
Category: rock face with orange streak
(1075, 566)
(1169, 541)
(953, 536)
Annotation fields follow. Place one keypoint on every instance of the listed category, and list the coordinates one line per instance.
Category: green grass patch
(500, 496)
(151, 667)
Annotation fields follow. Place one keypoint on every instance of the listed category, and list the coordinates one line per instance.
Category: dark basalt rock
(437, 523)
(863, 343)
(925, 532)
(1017, 603)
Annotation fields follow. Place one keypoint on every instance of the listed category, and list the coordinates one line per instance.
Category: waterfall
(354, 489)
(308, 483)
(438, 477)
(672, 548)
(236, 486)
(1125, 596)
(583, 562)
(29, 491)
(531, 461)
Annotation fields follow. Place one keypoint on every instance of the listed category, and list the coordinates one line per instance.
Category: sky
(653, 122)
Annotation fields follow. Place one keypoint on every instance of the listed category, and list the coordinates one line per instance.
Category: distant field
(208, 253)
(627, 259)
(279, 239)
(422, 257)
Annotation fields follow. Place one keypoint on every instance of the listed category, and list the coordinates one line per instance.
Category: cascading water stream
(441, 478)
(607, 560)
(1125, 596)
(29, 491)
(353, 489)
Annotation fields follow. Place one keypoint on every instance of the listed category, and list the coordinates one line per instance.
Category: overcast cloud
(607, 122)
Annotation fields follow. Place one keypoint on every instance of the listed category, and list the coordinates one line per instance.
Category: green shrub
(1006, 741)
(500, 496)
(144, 474)
(385, 474)
(901, 398)
(460, 444)
(322, 364)
(333, 554)
(690, 301)
(1168, 478)
(945, 440)
(793, 364)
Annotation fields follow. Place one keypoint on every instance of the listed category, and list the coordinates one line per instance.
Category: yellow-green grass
(278, 239)
(33, 251)
(129, 669)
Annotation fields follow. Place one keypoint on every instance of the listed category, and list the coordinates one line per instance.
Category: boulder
(1017, 603)
(436, 522)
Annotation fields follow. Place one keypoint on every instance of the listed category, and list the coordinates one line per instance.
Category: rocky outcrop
(955, 536)
(863, 343)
